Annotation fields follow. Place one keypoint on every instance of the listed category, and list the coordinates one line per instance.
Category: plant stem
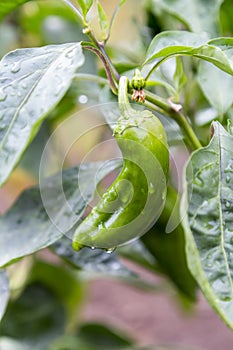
(178, 116)
(106, 66)
(74, 9)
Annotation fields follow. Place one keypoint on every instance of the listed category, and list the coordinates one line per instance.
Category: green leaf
(208, 206)
(169, 43)
(27, 227)
(179, 75)
(103, 21)
(218, 51)
(94, 336)
(36, 318)
(8, 6)
(217, 86)
(95, 261)
(85, 5)
(62, 282)
(32, 82)
(198, 15)
(4, 292)
(103, 337)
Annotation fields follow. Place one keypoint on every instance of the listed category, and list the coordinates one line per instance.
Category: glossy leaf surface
(26, 97)
(4, 292)
(208, 224)
(181, 43)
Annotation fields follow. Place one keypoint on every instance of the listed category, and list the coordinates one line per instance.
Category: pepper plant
(178, 71)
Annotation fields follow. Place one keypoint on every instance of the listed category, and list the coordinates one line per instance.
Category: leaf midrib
(220, 214)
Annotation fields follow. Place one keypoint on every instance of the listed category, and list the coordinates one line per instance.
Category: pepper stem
(123, 101)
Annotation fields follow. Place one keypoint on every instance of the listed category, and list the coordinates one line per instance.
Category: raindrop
(225, 298)
(24, 125)
(109, 250)
(92, 248)
(19, 93)
(3, 95)
(58, 90)
(228, 204)
(16, 67)
(229, 167)
(198, 181)
(228, 179)
(151, 188)
(24, 86)
(2, 127)
(70, 54)
(101, 226)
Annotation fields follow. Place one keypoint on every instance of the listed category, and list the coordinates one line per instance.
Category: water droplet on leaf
(3, 95)
(109, 250)
(2, 127)
(16, 67)
(198, 181)
(228, 179)
(151, 188)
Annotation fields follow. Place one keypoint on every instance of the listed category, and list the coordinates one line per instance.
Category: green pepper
(135, 200)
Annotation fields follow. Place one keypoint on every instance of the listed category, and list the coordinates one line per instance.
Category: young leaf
(4, 292)
(216, 85)
(208, 206)
(103, 21)
(198, 15)
(85, 5)
(8, 6)
(179, 75)
(27, 227)
(173, 42)
(32, 82)
(180, 43)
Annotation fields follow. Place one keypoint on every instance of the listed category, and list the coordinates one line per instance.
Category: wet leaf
(32, 82)
(216, 85)
(32, 223)
(168, 44)
(4, 292)
(95, 261)
(208, 204)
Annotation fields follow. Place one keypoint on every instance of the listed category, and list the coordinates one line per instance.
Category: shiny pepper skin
(135, 200)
